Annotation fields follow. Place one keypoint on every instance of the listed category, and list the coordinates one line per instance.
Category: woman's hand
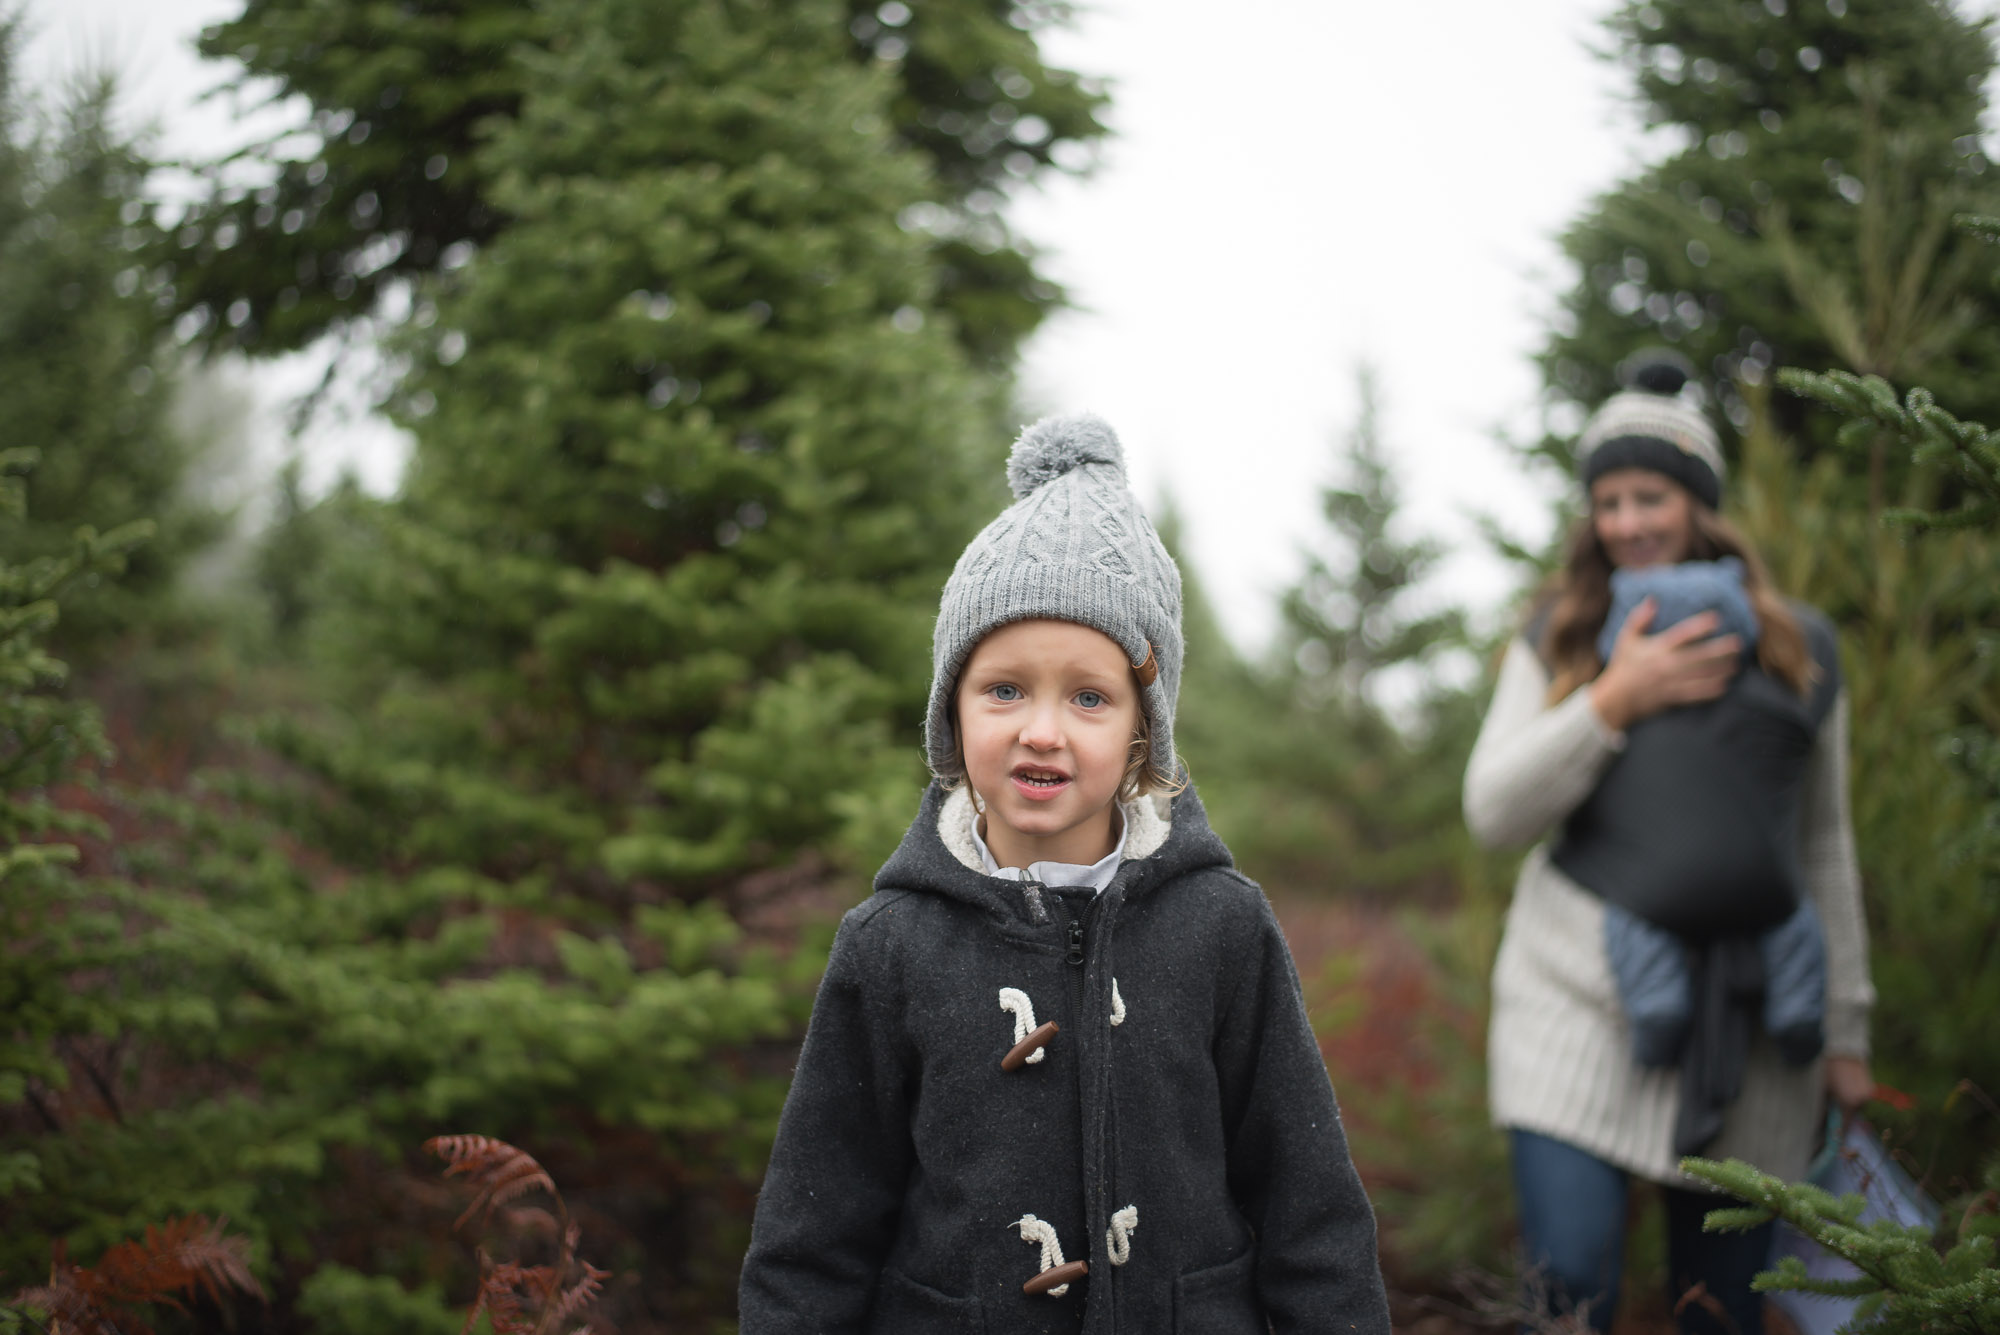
(1682, 665)
(1849, 1083)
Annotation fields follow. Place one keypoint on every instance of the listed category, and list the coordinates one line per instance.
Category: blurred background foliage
(521, 802)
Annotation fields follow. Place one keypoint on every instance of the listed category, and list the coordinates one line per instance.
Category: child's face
(1047, 711)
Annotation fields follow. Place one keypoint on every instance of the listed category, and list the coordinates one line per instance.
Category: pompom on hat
(1074, 546)
(1653, 424)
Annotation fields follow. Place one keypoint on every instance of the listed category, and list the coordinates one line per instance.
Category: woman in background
(1658, 782)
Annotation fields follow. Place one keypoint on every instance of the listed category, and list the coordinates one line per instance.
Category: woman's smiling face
(1046, 713)
(1642, 518)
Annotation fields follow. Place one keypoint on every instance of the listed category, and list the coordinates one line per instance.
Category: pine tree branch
(1965, 453)
(1900, 1272)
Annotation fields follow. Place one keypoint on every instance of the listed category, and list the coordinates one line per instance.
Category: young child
(1059, 1076)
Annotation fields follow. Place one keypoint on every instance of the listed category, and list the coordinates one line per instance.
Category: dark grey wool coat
(906, 1156)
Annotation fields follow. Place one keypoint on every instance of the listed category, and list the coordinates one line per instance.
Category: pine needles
(1906, 1286)
(1965, 456)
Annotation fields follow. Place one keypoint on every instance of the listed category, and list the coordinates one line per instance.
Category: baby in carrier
(1649, 961)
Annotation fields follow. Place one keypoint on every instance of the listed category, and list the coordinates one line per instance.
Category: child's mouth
(1040, 782)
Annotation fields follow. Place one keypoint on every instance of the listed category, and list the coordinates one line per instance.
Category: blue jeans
(1572, 1208)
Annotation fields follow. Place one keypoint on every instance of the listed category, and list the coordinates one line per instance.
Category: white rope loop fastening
(1118, 1238)
(1014, 1000)
(1117, 1005)
(1042, 1231)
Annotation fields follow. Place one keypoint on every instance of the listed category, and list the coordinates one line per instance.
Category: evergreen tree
(1348, 620)
(403, 96)
(621, 690)
(694, 451)
(84, 370)
(1805, 219)
(53, 926)
(1355, 782)
(1913, 616)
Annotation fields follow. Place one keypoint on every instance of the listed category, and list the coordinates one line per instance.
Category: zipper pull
(1076, 941)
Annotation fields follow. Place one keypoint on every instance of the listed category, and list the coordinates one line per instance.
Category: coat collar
(1148, 821)
(1169, 837)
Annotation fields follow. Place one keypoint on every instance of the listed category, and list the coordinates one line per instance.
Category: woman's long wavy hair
(1578, 598)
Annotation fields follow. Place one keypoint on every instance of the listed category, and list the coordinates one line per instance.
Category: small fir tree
(84, 368)
(53, 925)
(1353, 778)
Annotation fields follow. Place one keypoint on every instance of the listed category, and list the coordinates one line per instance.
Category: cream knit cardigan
(1559, 1052)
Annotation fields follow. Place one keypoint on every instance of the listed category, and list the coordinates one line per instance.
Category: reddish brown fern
(520, 1299)
(174, 1259)
(496, 1171)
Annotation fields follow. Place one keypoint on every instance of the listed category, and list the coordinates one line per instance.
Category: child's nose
(1042, 730)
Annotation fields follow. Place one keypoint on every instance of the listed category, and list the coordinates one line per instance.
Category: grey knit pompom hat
(1074, 546)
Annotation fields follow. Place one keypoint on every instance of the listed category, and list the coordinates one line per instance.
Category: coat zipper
(1077, 908)
(1074, 956)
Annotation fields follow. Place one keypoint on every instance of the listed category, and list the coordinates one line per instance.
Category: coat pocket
(1221, 1300)
(905, 1307)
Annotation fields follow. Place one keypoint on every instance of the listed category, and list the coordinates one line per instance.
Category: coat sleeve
(828, 1211)
(1289, 1169)
(1533, 762)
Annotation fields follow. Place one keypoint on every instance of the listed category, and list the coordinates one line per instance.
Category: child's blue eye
(1006, 694)
(1089, 699)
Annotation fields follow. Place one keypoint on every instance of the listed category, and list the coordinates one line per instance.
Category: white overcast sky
(1295, 186)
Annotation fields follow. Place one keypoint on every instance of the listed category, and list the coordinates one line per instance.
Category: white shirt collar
(1097, 875)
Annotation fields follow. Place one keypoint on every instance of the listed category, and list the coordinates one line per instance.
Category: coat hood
(923, 862)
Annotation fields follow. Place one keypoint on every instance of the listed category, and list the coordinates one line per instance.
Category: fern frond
(507, 1290)
(64, 1304)
(174, 1258)
(519, 1299)
(178, 1256)
(582, 1293)
(479, 1298)
(498, 1172)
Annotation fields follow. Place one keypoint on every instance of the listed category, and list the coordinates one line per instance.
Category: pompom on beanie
(1653, 424)
(1074, 546)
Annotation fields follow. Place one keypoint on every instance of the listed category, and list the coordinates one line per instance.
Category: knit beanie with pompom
(1074, 546)
(1653, 424)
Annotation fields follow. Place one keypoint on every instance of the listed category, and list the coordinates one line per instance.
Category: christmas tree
(85, 370)
(601, 719)
(402, 99)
